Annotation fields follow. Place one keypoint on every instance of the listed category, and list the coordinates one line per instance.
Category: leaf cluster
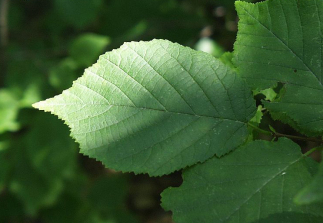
(50, 43)
(157, 107)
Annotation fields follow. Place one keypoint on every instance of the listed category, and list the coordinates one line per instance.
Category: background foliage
(43, 178)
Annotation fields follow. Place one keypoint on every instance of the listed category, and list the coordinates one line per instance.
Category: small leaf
(269, 93)
(258, 116)
(155, 107)
(281, 41)
(252, 183)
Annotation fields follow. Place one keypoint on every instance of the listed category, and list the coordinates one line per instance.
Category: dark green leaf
(281, 41)
(251, 183)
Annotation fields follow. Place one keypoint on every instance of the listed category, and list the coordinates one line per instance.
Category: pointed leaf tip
(41, 105)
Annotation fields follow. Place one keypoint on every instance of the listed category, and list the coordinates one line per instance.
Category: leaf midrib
(144, 108)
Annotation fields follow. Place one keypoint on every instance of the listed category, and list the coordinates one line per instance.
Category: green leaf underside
(281, 41)
(155, 107)
(255, 182)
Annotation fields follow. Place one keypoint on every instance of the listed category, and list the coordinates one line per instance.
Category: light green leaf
(258, 116)
(155, 107)
(269, 93)
(314, 191)
(252, 183)
(281, 41)
(9, 108)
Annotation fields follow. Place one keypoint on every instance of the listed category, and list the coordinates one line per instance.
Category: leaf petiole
(277, 134)
(312, 150)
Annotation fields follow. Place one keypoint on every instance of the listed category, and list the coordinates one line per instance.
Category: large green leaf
(257, 181)
(155, 107)
(281, 41)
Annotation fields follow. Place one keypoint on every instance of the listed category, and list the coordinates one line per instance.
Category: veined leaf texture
(256, 183)
(155, 107)
(280, 41)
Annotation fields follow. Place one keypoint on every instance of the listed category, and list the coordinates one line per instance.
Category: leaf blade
(155, 107)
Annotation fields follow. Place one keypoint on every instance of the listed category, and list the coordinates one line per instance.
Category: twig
(277, 134)
(298, 137)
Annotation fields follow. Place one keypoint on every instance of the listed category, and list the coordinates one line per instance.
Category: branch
(276, 134)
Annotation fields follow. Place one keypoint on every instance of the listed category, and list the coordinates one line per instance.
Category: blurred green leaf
(104, 202)
(69, 209)
(41, 162)
(9, 108)
(30, 96)
(62, 75)
(34, 190)
(53, 157)
(78, 13)
(87, 48)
